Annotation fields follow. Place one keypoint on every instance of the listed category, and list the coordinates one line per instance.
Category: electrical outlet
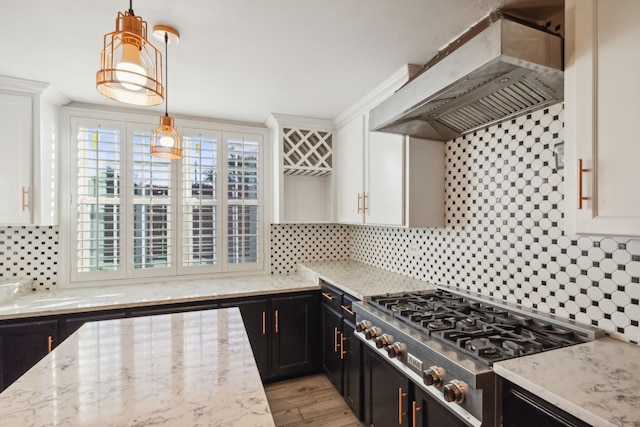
(413, 249)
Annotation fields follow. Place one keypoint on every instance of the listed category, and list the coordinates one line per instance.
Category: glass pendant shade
(130, 66)
(166, 141)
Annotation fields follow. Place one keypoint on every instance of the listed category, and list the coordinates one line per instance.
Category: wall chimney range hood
(500, 68)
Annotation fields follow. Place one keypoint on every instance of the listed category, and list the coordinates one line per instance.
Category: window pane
(151, 206)
(98, 199)
(242, 193)
(243, 234)
(199, 199)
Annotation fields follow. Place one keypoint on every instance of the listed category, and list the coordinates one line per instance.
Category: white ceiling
(244, 59)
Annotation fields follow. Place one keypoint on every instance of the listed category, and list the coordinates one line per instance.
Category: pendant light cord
(131, 8)
(166, 67)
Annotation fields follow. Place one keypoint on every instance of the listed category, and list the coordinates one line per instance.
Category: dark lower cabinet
(523, 409)
(332, 363)
(386, 393)
(429, 412)
(283, 331)
(295, 335)
(341, 350)
(22, 345)
(352, 368)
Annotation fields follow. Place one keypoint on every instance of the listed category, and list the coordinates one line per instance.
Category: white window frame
(128, 121)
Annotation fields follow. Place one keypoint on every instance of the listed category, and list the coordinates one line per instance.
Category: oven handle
(400, 396)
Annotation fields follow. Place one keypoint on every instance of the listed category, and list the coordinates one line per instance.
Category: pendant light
(166, 141)
(130, 66)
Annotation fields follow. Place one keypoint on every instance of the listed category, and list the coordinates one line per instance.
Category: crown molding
(378, 94)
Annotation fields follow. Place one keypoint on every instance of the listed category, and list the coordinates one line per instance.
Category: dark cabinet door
(522, 409)
(428, 412)
(22, 345)
(332, 345)
(255, 315)
(72, 323)
(295, 332)
(352, 368)
(387, 393)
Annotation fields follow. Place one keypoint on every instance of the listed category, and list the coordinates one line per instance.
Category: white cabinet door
(15, 162)
(350, 172)
(384, 201)
(602, 107)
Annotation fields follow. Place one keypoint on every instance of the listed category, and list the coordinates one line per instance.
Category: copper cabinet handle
(264, 323)
(276, 321)
(581, 170)
(49, 344)
(342, 350)
(328, 296)
(24, 198)
(345, 308)
(335, 339)
(359, 198)
(364, 202)
(414, 410)
(400, 396)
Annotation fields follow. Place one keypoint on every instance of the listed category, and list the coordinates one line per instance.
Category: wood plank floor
(310, 401)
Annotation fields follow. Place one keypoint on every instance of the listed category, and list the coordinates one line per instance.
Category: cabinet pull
(328, 296)
(400, 396)
(24, 198)
(414, 410)
(581, 170)
(335, 339)
(364, 202)
(345, 308)
(264, 323)
(342, 350)
(359, 199)
(276, 321)
(49, 344)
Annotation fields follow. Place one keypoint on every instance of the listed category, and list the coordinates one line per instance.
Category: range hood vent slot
(502, 68)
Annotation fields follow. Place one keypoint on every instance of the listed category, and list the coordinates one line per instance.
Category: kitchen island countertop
(194, 368)
(597, 382)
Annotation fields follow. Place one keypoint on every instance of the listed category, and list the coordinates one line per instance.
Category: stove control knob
(384, 340)
(396, 350)
(433, 376)
(372, 332)
(362, 325)
(454, 391)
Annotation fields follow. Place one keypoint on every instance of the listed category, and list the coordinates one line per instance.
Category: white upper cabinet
(350, 171)
(388, 179)
(29, 142)
(602, 93)
(302, 164)
(15, 162)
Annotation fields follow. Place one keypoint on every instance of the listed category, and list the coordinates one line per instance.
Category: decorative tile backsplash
(503, 235)
(29, 253)
(294, 243)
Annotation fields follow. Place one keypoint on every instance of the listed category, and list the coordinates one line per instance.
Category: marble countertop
(360, 280)
(597, 382)
(73, 300)
(189, 369)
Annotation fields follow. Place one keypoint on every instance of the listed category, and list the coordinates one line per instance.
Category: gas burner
(440, 324)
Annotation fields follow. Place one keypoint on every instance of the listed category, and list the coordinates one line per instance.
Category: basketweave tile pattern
(294, 243)
(29, 253)
(503, 235)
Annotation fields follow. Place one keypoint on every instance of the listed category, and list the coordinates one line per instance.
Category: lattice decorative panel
(307, 152)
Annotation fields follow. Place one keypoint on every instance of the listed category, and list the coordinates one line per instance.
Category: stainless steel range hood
(499, 69)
